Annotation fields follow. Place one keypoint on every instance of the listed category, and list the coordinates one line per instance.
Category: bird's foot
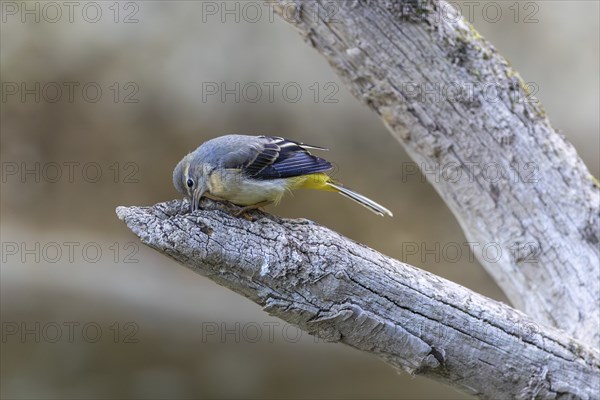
(243, 211)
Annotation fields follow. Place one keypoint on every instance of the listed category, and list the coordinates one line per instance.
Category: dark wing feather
(265, 155)
(296, 165)
(287, 142)
(282, 158)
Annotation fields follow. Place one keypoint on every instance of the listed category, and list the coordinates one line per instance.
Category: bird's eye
(190, 183)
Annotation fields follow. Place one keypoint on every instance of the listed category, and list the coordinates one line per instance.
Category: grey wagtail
(254, 171)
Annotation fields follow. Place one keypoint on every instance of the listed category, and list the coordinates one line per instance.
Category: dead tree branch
(342, 291)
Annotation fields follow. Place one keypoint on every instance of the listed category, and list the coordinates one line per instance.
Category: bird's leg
(245, 209)
(229, 205)
(239, 210)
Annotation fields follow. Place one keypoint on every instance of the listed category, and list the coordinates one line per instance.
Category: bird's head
(190, 179)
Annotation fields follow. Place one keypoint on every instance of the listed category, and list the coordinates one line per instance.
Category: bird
(255, 171)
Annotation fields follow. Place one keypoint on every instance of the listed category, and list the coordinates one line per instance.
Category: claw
(244, 210)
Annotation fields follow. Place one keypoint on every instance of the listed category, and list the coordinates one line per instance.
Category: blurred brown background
(87, 312)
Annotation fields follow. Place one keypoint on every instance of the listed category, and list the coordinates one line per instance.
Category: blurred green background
(87, 312)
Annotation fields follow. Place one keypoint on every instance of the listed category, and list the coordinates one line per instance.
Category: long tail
(360, 199)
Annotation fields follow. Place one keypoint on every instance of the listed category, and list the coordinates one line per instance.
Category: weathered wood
(345, 292)
(456, 105)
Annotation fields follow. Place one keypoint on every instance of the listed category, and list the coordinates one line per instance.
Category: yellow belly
(231, 186)
(316, 181)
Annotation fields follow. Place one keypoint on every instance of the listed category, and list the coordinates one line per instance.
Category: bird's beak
(196, 196)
